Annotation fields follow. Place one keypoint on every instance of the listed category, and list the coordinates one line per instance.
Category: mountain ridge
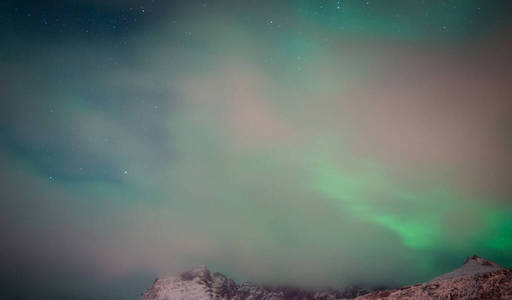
(477, 278)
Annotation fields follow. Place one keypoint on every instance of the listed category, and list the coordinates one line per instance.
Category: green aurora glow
(293, 142)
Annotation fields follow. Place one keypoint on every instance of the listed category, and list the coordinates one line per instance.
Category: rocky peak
(473, 265)
(477, 278)
(477, 260)
(200, 273)
(201, 284)
(196, 284)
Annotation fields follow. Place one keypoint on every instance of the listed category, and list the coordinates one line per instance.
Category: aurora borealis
(317, 143)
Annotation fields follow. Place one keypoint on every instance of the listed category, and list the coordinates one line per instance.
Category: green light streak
(357, 194)
(422, 218)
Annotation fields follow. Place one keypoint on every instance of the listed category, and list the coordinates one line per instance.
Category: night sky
(306, 142)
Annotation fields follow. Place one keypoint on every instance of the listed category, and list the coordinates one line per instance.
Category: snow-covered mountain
(477, 278)
(201, 284)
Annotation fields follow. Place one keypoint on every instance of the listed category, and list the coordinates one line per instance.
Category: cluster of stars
(58, 19)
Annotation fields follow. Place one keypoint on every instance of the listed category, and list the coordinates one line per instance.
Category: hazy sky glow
(319, 143)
